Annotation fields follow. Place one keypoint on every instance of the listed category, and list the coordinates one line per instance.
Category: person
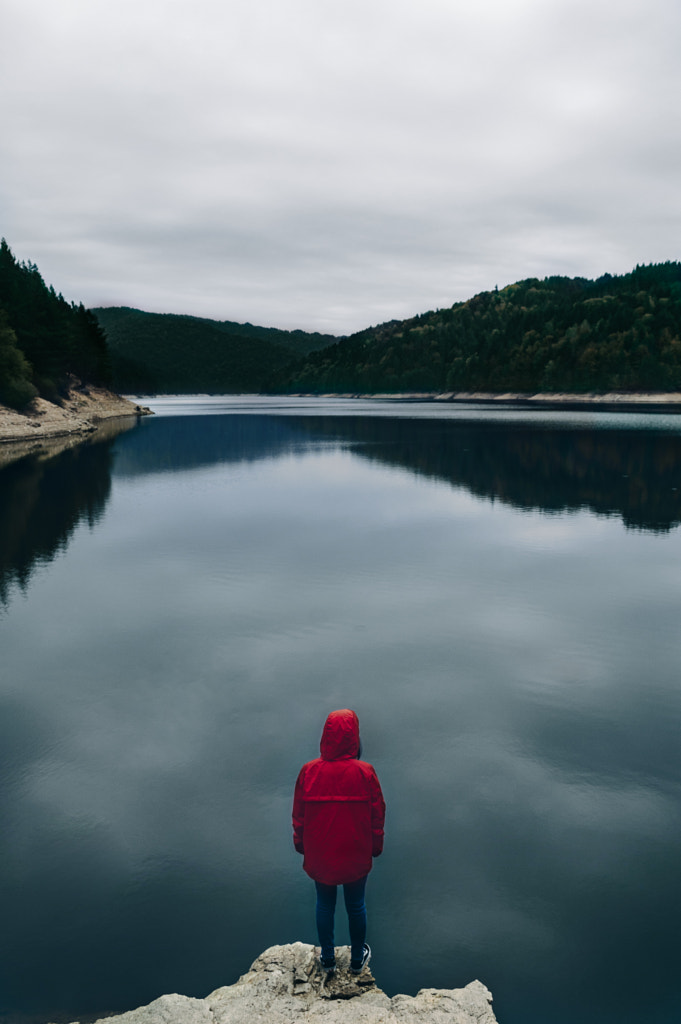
(338, 819)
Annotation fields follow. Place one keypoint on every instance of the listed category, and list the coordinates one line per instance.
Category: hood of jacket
(340, 737)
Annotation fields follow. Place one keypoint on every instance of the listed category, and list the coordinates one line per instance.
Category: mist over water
(496, 593)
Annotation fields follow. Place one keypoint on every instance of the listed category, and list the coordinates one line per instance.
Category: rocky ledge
(79, 413)
(286, 984)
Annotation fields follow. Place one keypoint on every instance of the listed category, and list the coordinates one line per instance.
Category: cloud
(302, 164)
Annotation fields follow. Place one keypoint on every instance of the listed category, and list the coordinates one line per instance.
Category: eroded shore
(659, 401)
(84, 409)
(79, 414)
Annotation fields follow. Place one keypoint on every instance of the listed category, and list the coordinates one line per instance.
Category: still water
(498, 595)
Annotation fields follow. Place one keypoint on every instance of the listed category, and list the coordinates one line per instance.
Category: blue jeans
(353, 893)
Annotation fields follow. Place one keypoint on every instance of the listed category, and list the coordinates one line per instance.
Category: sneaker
(327, 965)
(357, 966)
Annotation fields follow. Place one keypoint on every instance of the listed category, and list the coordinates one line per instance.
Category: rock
(171, 1009)
(286, 984)
(78, 414)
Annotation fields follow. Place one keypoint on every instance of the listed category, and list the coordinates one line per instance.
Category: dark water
(497, 594)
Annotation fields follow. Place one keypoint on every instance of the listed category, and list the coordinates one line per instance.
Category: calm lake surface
(496, 592)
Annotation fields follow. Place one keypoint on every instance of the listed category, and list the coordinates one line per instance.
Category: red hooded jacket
(338, 807)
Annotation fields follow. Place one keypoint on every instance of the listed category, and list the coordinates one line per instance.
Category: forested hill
(45, 341)
(170, 353)
(617, 333)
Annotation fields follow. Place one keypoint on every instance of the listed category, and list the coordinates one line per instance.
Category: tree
(16, 389)
(56, 340)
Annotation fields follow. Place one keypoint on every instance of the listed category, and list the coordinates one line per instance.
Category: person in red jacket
(338, 817)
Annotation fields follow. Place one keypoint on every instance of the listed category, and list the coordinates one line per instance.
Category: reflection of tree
(628, 473)
(42, 500)
(174, 444)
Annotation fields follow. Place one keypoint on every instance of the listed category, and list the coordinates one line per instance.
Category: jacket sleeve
(298, 813)
(377, 815)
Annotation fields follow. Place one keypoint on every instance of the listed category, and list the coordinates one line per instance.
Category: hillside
(45, 341)
(617, 333)
(170, 353)
(614, 334)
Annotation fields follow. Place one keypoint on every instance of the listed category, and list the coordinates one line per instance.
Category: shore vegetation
(559, 334)
(45, 341)
(166, 353)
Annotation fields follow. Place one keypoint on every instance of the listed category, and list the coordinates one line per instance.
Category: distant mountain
(169, 353)
(617, 333)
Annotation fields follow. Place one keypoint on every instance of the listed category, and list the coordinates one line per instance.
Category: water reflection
(516, 676)
(632, 474)
(174, 444)
(46, 490)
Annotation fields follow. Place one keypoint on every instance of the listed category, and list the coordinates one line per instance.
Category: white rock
(286, 984)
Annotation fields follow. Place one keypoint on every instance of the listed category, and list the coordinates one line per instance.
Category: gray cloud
(298, 164)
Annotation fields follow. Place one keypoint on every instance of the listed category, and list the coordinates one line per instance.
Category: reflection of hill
(633, 474)
(172, 444)
(627, 473)
(43, 497)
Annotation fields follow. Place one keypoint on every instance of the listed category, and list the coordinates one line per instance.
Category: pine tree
(57, 340)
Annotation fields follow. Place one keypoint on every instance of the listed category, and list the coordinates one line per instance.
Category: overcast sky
(330, 165)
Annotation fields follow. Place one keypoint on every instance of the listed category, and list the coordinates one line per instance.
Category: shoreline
(79, 414)
(625, 402)
(84, 409)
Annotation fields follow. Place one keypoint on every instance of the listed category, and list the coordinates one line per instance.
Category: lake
(495, 591)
